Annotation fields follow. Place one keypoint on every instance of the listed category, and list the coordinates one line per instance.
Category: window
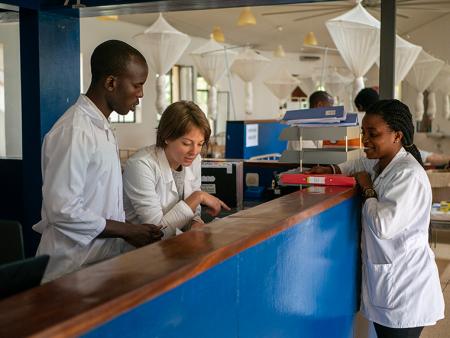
(202, 94)
(129, 118)
(178, 85)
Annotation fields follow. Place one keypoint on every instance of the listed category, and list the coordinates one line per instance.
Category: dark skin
(380, 142)
(121, 93)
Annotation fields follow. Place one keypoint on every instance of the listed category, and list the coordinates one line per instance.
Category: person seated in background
(317, 99)
(434, 159)
(162, 182)
(365, 98)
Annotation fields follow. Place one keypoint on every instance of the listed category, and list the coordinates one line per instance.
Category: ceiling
(288, 24)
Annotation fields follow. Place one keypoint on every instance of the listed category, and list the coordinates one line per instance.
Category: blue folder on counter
(315, 115)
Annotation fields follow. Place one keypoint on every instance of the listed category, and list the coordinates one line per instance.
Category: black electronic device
(224, 179)
(21, 275)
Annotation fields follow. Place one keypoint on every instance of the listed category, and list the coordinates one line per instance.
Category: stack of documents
(320, 117)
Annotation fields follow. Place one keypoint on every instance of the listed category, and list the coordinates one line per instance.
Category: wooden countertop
(82, 300)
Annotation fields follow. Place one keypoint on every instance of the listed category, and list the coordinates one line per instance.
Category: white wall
(94, 31)
(9, 38)
(432, 37)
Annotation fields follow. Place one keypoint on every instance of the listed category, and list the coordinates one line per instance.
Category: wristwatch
(369, 193)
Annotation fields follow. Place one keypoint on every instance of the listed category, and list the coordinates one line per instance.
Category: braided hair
(398, 117)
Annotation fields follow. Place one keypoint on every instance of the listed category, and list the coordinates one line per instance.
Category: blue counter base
(303, 282)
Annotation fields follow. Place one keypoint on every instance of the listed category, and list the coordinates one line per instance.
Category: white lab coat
(82, 187)
(400, 280)
(150, 193)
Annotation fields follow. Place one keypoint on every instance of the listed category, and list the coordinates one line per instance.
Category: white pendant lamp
(248, 65)
(162, 46)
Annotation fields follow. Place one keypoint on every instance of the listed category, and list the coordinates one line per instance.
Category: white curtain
(420, 77)
(308, 84)
(406, 54)
(162, 46)
(248, 65)
(211, 61)
(335, 83)
(442, 84)
(356, 35)
(281, 85)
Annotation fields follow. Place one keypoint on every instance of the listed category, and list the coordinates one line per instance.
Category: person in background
(162, 181)
(435, 159)
(401, 292)
(82, 209)
(365, 98)
(317, 99)
(368, 96)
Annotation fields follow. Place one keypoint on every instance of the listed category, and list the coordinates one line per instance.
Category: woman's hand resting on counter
(213, 204)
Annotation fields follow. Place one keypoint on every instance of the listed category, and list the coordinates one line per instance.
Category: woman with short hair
(162, 182)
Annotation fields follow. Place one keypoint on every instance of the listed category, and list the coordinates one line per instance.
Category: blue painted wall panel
(307, 281)
(234, 147)
(268, 141)
(302, 282)
(50, 76)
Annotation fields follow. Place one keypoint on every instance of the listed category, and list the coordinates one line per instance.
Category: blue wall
(268, 141)
(302, 282)
(50, 76)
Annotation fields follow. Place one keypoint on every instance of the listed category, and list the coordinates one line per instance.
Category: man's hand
(142, 234)
(135, 234)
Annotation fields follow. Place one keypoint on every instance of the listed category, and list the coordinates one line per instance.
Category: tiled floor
(442, 252)
(442, 328)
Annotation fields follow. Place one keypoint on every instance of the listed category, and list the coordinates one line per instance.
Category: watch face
(369, 192)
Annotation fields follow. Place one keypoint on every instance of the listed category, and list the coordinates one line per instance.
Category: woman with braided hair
(401, 292)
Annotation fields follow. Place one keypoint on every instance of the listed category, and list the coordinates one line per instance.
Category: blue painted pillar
(50, 75)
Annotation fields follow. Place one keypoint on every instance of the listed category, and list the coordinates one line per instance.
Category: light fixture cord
(229, 82)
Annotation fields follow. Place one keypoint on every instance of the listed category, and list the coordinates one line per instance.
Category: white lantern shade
(162, 45)
(282, 84)
(249, 64)
(211, 61)
(356, 35)
(406, 54)
(420, 77)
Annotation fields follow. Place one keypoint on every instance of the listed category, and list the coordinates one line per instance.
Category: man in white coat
(82, 208)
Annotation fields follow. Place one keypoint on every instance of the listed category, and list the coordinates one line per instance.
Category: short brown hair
(178, 119)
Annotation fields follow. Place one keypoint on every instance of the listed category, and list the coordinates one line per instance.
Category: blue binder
(335, 113)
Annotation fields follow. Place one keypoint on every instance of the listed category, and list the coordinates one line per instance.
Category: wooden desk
(304, 247)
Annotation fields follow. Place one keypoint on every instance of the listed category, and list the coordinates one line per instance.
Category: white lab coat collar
(400, 154)
(166, 170)
(93, 112)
